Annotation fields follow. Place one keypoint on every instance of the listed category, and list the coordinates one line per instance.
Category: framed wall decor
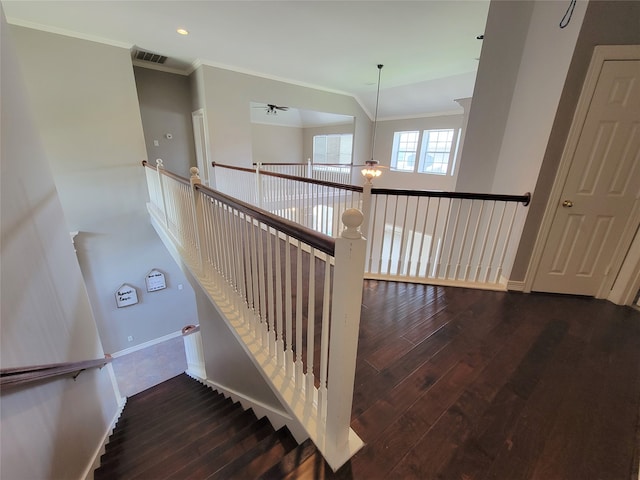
(126, 295)
(155, 281)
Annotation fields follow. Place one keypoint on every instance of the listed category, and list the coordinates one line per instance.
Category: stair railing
(291, 295)
(445, 238)
(327, 172)
(17, 376)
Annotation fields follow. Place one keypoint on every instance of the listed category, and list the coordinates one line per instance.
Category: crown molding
(68, 33)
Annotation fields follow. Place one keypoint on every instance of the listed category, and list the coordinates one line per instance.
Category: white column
(345, 324)
(194, 351)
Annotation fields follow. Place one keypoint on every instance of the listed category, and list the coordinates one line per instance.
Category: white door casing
(594, 209)
(201, 140)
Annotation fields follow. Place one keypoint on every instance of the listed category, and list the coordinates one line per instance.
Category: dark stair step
(167, 429)
(162, 392)
(182, 429)
(201, 459)
(291, 461)
(203, 434)
(180, 395)
(155, 418)
(260, 458)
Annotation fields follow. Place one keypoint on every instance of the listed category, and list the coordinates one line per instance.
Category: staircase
(182, 429)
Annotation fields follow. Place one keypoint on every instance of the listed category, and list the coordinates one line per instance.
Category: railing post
(343, 345)
(309, 168)
(194, 351)
(159, 167)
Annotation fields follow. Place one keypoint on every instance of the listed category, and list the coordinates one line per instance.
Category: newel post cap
(352, 218)
(195, 175)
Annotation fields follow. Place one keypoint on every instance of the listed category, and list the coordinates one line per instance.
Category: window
(405, 147)
(435, 155)
(436, 151)
(334, 148)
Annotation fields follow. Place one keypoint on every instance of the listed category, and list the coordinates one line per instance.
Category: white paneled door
(599, 203)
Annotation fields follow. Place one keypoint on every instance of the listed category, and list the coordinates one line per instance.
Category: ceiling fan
(272, 109)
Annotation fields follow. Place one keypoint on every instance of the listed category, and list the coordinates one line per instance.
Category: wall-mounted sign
(155, 280)
(126, 295)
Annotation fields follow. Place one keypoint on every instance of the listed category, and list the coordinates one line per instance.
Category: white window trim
(421, 152)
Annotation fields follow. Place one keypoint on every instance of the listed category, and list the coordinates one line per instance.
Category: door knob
(567, 204)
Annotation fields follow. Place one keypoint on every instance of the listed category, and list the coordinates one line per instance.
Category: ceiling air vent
(150, 57)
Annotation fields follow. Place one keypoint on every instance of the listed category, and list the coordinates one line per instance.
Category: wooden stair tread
(290, 462)
(258, 459)
(206, 429)
(182, 429)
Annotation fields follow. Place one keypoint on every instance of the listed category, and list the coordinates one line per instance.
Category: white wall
(51, 429)
(165, 107)
(86, 109)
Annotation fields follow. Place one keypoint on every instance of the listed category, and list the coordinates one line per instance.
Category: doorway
(201, 140)
(594, 208)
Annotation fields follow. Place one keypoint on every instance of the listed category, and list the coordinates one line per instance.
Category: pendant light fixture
(370, 171)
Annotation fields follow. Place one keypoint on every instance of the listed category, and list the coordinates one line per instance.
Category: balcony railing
(326, 172)
(291, 295)
(448, 238)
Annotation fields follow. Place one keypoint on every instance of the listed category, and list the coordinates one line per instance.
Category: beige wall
(165, 107)
(225, 96)
(51, 429)
(86, 109)
(276, 144)
(502, 47)
(384, 146)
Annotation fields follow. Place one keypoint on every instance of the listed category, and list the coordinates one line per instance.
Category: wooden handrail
(255, 164)
(311, 237)
(167, 173)
(16, 376)
(341, 186)
(524, 199)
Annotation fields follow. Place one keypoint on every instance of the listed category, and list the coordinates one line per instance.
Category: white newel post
(309, 168)
(193, 351)
(197, 214)
(159, 167)
(345, 324)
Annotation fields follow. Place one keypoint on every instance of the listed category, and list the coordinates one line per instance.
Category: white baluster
(311, 310)
(299, 366)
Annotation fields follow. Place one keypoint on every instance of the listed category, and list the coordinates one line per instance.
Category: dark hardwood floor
(465, 384)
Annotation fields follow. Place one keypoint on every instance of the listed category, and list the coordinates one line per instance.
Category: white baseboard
(515, 285)
(150, 343)
(278, 418)
(88, 474)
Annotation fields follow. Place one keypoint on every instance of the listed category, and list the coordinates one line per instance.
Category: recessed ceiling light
(182, 31)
